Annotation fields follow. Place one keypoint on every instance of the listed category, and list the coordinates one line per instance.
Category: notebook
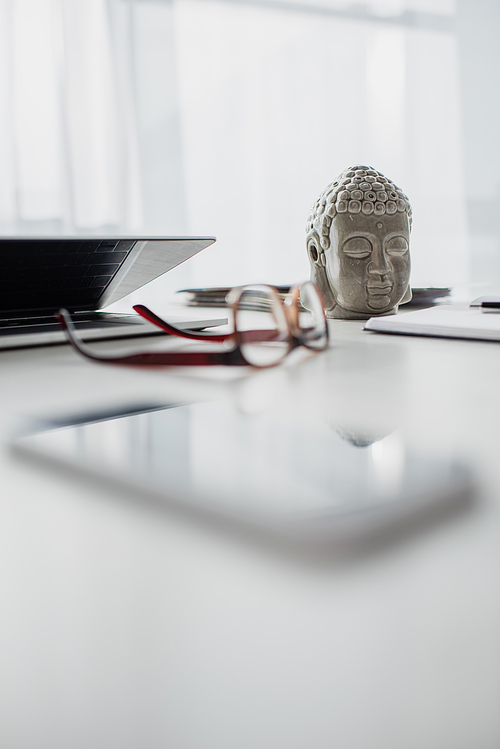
(450, 321)
(84, 275)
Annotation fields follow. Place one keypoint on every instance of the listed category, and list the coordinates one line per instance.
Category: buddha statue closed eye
(358, 240)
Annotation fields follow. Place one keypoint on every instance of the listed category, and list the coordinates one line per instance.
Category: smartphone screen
(291, 476)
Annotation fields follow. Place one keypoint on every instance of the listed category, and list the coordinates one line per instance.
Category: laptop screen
(43, 275)
(39, 276)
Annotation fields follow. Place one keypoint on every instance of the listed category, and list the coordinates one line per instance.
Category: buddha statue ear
(317, 261)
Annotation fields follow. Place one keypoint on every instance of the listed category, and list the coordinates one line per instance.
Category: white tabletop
(126, 626)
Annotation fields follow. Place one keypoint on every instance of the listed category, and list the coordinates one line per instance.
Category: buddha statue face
(358, 245)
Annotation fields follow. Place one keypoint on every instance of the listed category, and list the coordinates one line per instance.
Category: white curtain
(68, 153)
(277, 98)
(229, 117)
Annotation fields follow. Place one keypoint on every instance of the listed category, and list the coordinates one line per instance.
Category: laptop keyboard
(81, 321)
(47, 273)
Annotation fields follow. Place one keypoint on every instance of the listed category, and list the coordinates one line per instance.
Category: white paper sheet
(450, 321)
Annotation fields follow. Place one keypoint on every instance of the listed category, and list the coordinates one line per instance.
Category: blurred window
(229, 117)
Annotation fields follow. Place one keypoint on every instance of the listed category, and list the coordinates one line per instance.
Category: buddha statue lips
(358, 237)
(379, 290)
(379, 296)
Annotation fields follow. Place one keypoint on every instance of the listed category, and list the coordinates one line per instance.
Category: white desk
(122, 626)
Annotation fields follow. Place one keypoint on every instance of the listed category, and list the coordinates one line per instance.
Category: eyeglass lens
(312, 318)
(264, 337)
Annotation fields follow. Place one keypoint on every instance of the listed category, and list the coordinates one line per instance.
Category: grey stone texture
(358, 244)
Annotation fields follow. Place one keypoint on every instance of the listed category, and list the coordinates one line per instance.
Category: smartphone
(300, 478)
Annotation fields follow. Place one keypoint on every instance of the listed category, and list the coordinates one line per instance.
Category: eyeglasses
(258, 339)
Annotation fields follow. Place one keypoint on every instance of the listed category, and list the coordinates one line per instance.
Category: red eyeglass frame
(234, 357)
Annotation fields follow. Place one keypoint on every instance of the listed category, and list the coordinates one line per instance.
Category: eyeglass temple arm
(165, 358)
(151, 317)
(247, 335)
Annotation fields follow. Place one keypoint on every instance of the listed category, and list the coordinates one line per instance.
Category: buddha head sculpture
(358, 240)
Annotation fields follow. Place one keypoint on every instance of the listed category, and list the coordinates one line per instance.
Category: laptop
(84, 275)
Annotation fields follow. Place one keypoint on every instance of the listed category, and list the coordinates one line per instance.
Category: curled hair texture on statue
(359, 189)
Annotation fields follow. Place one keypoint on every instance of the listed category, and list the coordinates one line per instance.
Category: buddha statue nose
(379, 264)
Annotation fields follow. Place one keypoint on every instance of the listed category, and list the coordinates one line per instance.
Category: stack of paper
(453, 321)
